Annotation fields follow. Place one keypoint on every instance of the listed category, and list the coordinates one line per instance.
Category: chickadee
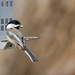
(15, 36)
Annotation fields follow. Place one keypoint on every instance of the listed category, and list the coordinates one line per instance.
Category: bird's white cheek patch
(9, 26)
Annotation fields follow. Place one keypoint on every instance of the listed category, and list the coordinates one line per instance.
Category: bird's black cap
(16, 22)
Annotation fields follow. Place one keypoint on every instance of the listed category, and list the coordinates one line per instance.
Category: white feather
(28, 55)
(9, 26)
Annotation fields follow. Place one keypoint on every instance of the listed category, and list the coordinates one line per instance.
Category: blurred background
(54, 22)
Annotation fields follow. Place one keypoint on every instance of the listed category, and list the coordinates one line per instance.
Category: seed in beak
(21, 26)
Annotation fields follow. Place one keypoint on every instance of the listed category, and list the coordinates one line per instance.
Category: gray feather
(30, 54)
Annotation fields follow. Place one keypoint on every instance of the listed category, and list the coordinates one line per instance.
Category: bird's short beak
(21, 26)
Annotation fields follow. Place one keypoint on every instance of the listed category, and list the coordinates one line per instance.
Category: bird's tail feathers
(30, 55)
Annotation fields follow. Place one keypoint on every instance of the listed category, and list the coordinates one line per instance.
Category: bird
(15, 36)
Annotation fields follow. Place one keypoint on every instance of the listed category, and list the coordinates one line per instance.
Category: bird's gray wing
(16, 38)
